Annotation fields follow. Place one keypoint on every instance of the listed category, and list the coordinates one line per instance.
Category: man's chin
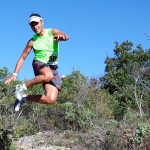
(37, 32)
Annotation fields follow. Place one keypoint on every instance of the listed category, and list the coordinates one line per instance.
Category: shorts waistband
(54, 67)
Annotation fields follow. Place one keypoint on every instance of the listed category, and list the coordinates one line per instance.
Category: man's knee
(48, 77)
(51, 99)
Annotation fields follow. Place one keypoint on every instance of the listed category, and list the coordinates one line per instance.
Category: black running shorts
(56, 81)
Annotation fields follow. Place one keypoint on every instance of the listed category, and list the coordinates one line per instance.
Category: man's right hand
(11, 78)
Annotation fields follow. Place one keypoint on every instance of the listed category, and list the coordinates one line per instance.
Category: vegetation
(108, 113)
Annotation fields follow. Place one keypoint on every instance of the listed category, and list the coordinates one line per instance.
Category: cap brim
(34, 19)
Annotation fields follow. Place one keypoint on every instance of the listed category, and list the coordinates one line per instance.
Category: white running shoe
(20, 88)
(18, 103)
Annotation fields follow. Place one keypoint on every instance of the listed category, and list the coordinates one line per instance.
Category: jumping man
(45, 63)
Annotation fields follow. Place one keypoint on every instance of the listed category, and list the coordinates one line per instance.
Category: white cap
(34, 18)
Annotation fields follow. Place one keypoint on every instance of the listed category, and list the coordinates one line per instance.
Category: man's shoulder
(49, 31)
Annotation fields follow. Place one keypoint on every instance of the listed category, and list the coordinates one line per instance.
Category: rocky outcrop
(40, 141)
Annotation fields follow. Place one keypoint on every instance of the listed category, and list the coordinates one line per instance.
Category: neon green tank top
(45, 48)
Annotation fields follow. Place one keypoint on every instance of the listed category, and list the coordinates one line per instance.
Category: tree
(71, 85)
(127, 76)
(4, 73)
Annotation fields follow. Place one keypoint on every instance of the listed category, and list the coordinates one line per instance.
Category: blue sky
(93, 27)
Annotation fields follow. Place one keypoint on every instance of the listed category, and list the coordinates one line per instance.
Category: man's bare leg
(46, 75)
(50, 96)
(51, 92)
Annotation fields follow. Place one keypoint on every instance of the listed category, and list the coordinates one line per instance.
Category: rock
(40, 141)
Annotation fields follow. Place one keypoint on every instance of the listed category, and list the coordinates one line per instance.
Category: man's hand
(59, 37)
(11, 78)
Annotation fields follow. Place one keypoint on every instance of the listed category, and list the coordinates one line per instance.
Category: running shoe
(18, 103)
(20, 88)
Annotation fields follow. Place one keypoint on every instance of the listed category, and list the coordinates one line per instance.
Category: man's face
(37, 26)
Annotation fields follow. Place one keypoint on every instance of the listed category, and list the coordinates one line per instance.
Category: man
(45, 46)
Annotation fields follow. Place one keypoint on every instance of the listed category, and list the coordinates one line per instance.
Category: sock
(24, 86)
